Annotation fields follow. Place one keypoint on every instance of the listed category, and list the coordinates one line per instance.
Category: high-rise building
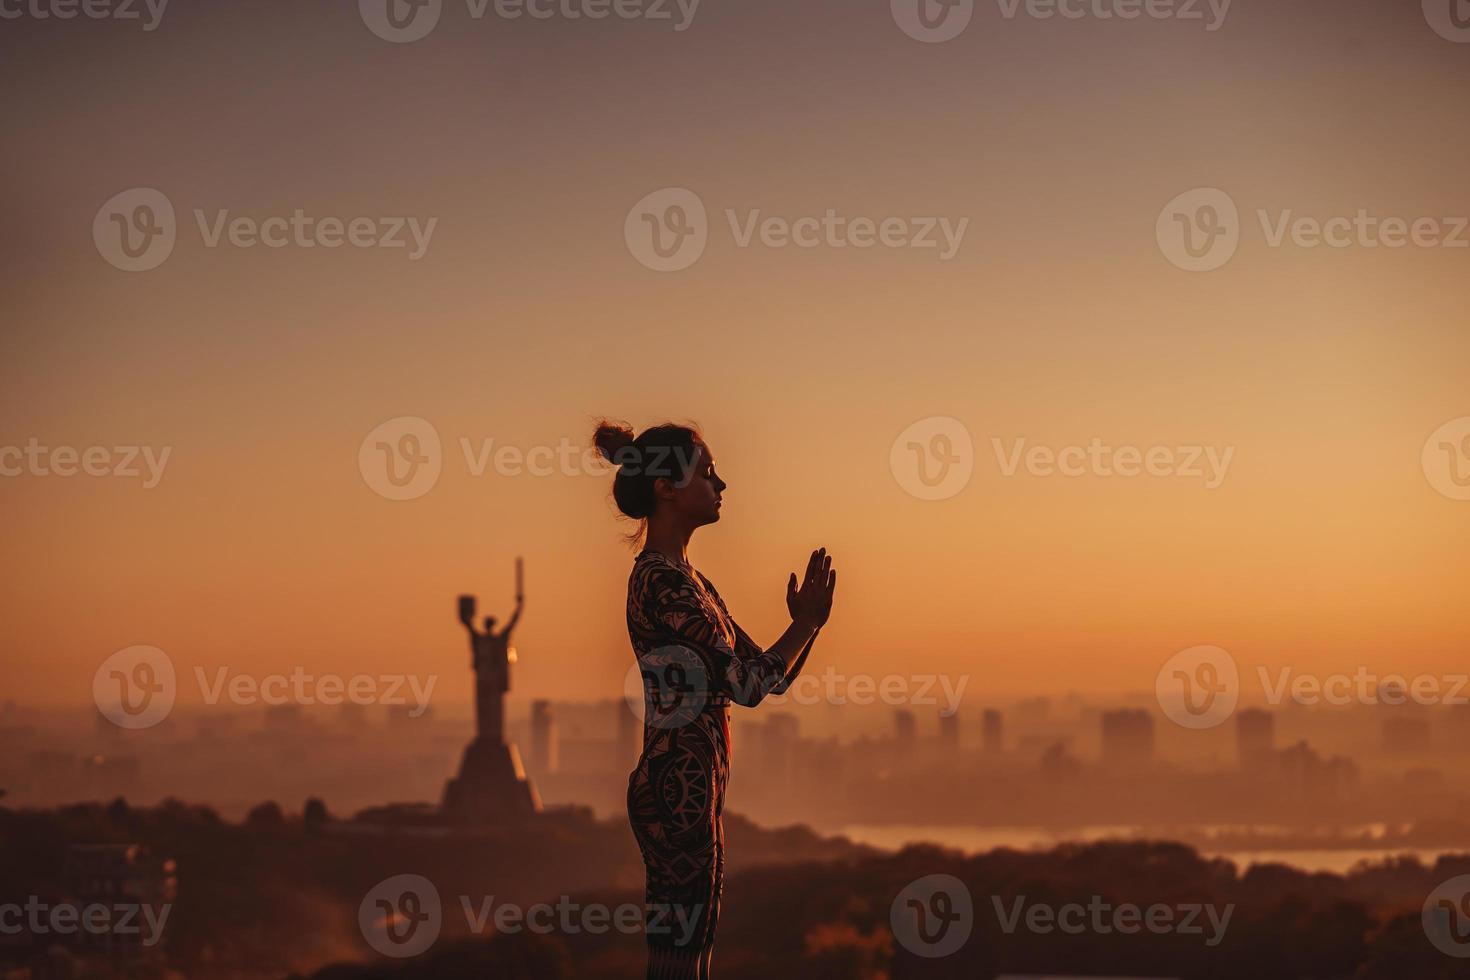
(949, 730)
(904, 727)
(284, 718)
(778, 756)
(992, 732)
(544, 739)
(1310, 777)
(1127, 738)
(1255, 738)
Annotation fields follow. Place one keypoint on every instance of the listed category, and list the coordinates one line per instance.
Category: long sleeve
(744, 672)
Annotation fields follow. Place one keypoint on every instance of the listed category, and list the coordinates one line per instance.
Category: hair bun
(611, 438)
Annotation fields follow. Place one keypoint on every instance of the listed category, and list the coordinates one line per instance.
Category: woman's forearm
(793, 643)
(795, 670)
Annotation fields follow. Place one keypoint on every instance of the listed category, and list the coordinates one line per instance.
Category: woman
(695, 660)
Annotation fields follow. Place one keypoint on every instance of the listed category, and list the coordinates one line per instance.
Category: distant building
(781, 725)
(1127, 738)
(904, 727)
(1406, 736)
(1032, 711)
(544, 756)
(778, 757)
(284, 717)
(1255, 738)
(406, 715)
(1311, 778)
(992, 732)
(949, 731)
(215, 725)
(352, 716)
(1058, 763)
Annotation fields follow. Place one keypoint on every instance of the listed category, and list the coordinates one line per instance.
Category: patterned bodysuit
(695, 661)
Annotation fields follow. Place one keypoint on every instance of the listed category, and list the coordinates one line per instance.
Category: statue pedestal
(491, 786)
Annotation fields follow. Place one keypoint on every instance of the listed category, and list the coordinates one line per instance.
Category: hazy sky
(1058, 319)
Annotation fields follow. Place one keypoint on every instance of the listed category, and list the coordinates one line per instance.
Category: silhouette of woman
(695, 660)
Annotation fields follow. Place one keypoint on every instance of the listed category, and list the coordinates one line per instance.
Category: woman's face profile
(699, 496)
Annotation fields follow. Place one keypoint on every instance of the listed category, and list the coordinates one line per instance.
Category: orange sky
(1060, 320)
